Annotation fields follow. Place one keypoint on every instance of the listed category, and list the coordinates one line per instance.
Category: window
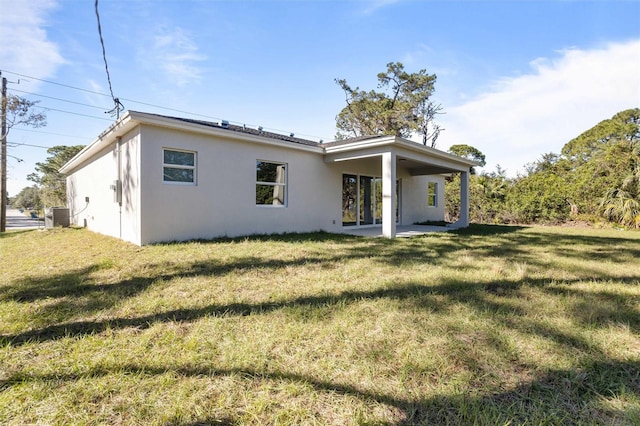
(432, 194)
(271, 183)
(179, 167)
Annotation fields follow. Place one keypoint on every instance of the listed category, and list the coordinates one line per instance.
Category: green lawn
(491, 325)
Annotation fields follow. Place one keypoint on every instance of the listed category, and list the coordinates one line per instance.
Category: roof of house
(261, 132)
(243, 129)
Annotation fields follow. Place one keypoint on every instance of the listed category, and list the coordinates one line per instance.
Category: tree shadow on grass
(413, 294)
(502, 243)
(73, 294)
(77, 293)
(564, 396)
(505, 242)
(476, 229)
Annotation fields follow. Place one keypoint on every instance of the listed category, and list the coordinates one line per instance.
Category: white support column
(389, 194)
(463, 222)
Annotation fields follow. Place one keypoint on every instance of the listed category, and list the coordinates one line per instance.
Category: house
(152, 178)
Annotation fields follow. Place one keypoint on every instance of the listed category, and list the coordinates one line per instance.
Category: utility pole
(3, 160)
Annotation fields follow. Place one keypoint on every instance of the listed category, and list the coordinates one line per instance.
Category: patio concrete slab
(401, 231)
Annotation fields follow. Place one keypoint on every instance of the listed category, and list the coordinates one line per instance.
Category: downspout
(119, 183)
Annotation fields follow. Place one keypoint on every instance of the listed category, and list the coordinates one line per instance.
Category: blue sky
(516, 79)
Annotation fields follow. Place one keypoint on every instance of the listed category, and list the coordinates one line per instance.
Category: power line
(107, 95)
(195, 114)
(58, 99)
(72, 113)
(116, 101)
(170, 109)
(50, 133)
(56, 83)
(62, 111)
(17, 144)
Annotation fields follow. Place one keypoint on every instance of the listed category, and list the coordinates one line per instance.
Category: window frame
(284, 185)
(193, 167)
(432, 197)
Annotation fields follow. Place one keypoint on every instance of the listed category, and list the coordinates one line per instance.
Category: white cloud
(26, 48)
(177, 55)
(523, 117)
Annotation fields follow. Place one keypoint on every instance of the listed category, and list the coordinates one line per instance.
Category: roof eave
(172, 123)
(435, 152)
(109, 136)
(401, 142)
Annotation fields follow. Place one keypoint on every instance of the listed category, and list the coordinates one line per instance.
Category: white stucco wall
(102, 214)
(222, 203)
(414, 196)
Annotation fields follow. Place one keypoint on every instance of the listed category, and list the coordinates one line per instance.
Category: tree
(539, 197)
(20, 112)
(487, 193)
(622, 205)
(477, 201)
(15, 111)
(470, 153)
(52, 183)
(452, 198)
(601, 159)
(625, 125)
(400, 109)
(587, 178)
(429, 129)
(28, 198)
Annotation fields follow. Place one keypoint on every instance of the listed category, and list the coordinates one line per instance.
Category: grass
(490, 325)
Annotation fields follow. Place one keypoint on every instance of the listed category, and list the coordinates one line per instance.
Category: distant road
(17, 220)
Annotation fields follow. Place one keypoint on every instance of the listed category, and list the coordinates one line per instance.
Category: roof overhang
(417, 159)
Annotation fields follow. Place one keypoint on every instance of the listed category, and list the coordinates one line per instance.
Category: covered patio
(395, 153)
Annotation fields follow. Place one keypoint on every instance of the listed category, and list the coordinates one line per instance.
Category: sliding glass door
(362, 200)
(367, 200)
(349, 200)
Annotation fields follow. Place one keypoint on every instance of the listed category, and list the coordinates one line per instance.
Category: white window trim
(284, 185)
(179, 166)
